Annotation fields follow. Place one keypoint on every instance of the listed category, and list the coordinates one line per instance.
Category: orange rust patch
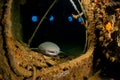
(108, 26)
(118, 9)
(104, 20)
(18, 53)
(98, 2)
(106, 1)
(1, 76)
(119, 17)
(10, 39)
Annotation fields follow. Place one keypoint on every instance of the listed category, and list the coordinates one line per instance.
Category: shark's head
(49, 48)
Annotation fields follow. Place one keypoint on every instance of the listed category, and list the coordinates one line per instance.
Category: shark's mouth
(51, 51)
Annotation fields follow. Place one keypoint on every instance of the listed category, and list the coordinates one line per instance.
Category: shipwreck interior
(59, 26)
(91, 41)
(21, 19)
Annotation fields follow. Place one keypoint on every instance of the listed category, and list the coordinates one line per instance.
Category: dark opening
(59, 26)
